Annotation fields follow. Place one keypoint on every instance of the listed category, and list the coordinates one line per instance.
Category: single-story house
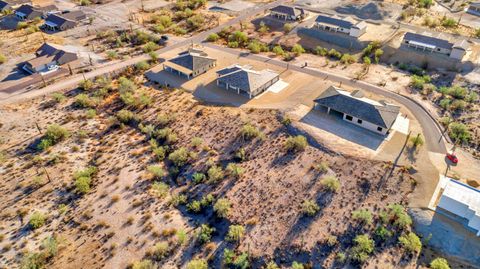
(375, 116)
(461, 202)
(288, 13)
(190, 63)
(438, 44)
(49, 58)
(5, 6)
(29, 12)
(474, 8)
(11, 4)
(344, 25)
(245, 80)
(64, 21)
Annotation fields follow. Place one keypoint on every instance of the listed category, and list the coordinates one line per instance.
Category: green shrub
(83, 179)
(54, 134)
(160, 189)
(235, 233)
(449, 22)
(417, 81)
(33, 261)
(149, 47)
(235, 170)
(126, 85)
(297, 265)
(249, 132)
(160, 251)
(179, 157)
(363, 247)
(296, 143)
(416, 141)
(144, 264)
(382, 233)
(458, 132)
(222, 207)
(3, 59)
(58, 97)
(321, 167)
(198, 178)
(278, 50)
(195, 206)
(347, 59)
(22, 25)
(287, 27)
(272, 265)
(396, 213)
(215, 173)
(156, 171)
(439, 263)
(37, 220)
(334, 54)
(213, 37)
(410, 242)
(126, 116)
(204, 235)
(330, 183)
(197, 264)
(142, 66)
(363, 216)
(240, 37)
(310, 207)
(297, 49)
(320, 51)
(178, 199)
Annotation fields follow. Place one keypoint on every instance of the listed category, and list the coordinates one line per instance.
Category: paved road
(73, 81)
(430, 127)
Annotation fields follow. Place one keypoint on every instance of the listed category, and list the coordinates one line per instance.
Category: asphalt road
(430, 127)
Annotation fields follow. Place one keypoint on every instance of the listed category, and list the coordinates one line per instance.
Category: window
(359, 121)
(348, 117)
(379, 129)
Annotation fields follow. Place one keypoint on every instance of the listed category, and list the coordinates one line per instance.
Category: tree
(416, 141)
(439, 263)
(222, 207)
(458, 132)
(410, 242)
(213, 37)
(297, 49)
(296, 143)
(235, 233)
(310, 207)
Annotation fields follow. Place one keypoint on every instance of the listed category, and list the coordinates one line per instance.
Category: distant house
(474, 8)
(246, 81)
(29, 12)
(375, 116)
(61, 22)
(340, 25)
(190, 63)
(49, 58)
(461, 202)
(4, 5)
(438, 45)
(288, 13)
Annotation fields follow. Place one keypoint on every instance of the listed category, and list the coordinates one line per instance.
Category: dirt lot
(119, 220)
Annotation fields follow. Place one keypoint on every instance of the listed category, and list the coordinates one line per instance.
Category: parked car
(452, 157)
(163, 40)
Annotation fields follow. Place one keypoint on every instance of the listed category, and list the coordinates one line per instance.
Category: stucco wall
(365, 124)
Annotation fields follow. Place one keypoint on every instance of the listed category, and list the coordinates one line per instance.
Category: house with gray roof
(64, 21)
(344, 25)
(474, 8)
(246, 81)
(439, 45)
(288, 13)
(11, 4)
(353, 107)
(30, 12)
(190, 63)
(49, 58)
(5, 6)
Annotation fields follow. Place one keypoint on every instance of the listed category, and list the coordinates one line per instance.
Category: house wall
(457, 54)
(436, 50)
(365, 124)
(474, 10)
(461, 210)
(282, 16)
(332, 28)
(203, 70)
(357, 32)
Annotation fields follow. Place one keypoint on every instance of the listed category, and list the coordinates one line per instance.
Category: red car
(452, 157)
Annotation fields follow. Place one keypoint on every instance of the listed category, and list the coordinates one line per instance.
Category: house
(440, 45)
(461, 202)
(474, 8)
(29, 12)
(245, 80)
(4, 5)
(353, 107)
(190, 63)
(61, 22)
(288, 13)
(340, 25)
(49, 58)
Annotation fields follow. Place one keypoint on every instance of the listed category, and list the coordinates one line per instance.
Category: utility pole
(44, 82)
(38, 127)
(70, 69)
(48, 176)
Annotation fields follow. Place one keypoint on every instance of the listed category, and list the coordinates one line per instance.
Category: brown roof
(39, 61)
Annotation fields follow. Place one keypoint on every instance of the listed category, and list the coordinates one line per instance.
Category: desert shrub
(320, 51)
(144, 264)
(287, 27)
(37, 220)
(159, 153)
(377, 54)
(233, 44)
(297, 265)
(471, 97)
(363, 216)
(198, 178)
(204, 235)
(410, 242)
(84, 101)
(416, 141)
(240, 37)
(22, 25)
(235, 233)
(222, 207)
(347, 59)
(126, 116)
(330, 183)
(321, 167)
(458, 132)
(449, 22)
(111, 54)
(310, 207)
(445, 103)
(126, 85)
(458, 105)
(296, 143)
(297, 49)
(153, 56)
(249, 132)
(160, 189)
(418, 82)
(278, 50)
(235, 170)
(3, 59)
(142, 66)
(363, 247)
(215, 173)
(439, 263)
(33, 261)
(197, 264)
(167, 135)
(178, 199)
(457, 92)
(181, 237)
(382, 233)
(58, 97)
(149, 47)
(54, 134)
(213, 37)
(195, 21)
(341, 257)
(196, 142)
(156, 171)
(195, 206)
(83, 179)
(179, 157)
(272, 265)
(396, 213)
(334, 54)
(160, 251)
(424, 3)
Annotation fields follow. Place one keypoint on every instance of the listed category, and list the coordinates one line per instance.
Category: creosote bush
(37, 220)
(204, 234)
(330, 183)
(310, 207)
(363, 247)
(222, 207)
(179, 157)
(215, 174)
(197, 264)
(410, 242)
(296, 143)
(235, 233)
(439, 263)
(55, 133)
(83, 179)
(249, 132)
(363, 216)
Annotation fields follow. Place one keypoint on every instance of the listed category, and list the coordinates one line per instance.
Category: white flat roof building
(463, 201)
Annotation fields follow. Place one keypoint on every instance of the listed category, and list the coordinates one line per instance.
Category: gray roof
(60, 19)
(476, 4)
(26, 9)
(56, 52)
(440, 43)
(3, 5)
(461, 44)
(244, 78)
(192, 60)
(292, 11)
(344, 23)
(354, 104)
